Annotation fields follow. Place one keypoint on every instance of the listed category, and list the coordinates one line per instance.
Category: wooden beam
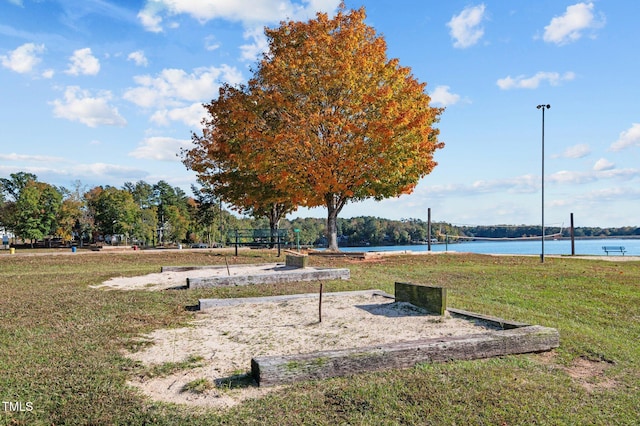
(276, 370)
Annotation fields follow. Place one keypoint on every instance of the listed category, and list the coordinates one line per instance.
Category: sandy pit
(177, 279)
(224, 339)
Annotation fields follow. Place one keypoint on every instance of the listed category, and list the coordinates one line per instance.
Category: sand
(224, 339)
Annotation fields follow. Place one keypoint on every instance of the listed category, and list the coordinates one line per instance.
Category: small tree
(144, 229)
(114, 211)
(207, 215)
(37, 210)
(10, 190)
(72, 217)
(228, 164)
(172, 211)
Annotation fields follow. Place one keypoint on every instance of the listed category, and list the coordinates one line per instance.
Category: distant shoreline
(453, 240)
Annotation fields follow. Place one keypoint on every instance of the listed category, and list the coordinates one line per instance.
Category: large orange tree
(326, 119)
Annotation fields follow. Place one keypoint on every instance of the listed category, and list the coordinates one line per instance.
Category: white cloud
(523, 82)
(174, 87)
(606, 171)
(570, 177)
(251, 52)
(527, 184)
(211, 44)
(524, 184)
(603, 164)
(83, 62)
(519, 184)
(30, 158)
(79, 105)
(160, 149)
(612, 194)
(442, 96)
(620, 174)
(149, 20)
(191, 116)
(49, 73)
(24, 58)
(465, 27)
(575, 151)
(139, 58)
(262, 11)
(570, 26)
(628, 138)
(101, 173)
(108, 170)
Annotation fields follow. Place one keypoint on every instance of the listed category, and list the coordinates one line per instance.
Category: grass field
(62, 344)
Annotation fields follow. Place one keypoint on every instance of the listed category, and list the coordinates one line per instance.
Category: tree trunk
(275, 214)
(334, 205)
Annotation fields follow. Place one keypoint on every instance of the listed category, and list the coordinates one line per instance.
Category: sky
(106, 92)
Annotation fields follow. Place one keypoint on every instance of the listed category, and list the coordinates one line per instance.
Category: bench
(615, 249)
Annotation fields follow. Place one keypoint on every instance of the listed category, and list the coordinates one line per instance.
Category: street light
(543, 107)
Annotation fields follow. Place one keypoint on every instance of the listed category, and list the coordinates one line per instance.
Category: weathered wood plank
(275, 370)
(498, 322)
(433, 299)
(297, 260)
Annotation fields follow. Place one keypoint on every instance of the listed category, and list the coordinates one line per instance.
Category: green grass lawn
(62, 344)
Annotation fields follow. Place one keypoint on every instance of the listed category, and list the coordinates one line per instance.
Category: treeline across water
(520, 231)
(375, 231)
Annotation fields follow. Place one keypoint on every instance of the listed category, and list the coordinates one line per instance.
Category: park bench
(614, 249)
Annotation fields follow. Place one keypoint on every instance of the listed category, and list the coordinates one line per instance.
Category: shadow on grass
(236, 381)
(178, 287)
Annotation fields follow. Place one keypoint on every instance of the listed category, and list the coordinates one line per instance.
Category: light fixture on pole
(543, 107)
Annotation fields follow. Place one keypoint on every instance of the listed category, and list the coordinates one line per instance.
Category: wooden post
(429, 229)
(236, 243)
(320, 304)
(573, 241)
(278, 231)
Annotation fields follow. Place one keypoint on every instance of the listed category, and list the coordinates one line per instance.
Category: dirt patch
(590, 374)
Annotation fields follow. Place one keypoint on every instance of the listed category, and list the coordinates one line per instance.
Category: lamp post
(543, 107)
(297, 231)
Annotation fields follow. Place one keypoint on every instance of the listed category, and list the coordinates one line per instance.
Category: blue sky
(106, 92)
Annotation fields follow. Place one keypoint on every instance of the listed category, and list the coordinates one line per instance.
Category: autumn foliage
(326, 119)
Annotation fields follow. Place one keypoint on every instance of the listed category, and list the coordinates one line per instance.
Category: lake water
(583, 247)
